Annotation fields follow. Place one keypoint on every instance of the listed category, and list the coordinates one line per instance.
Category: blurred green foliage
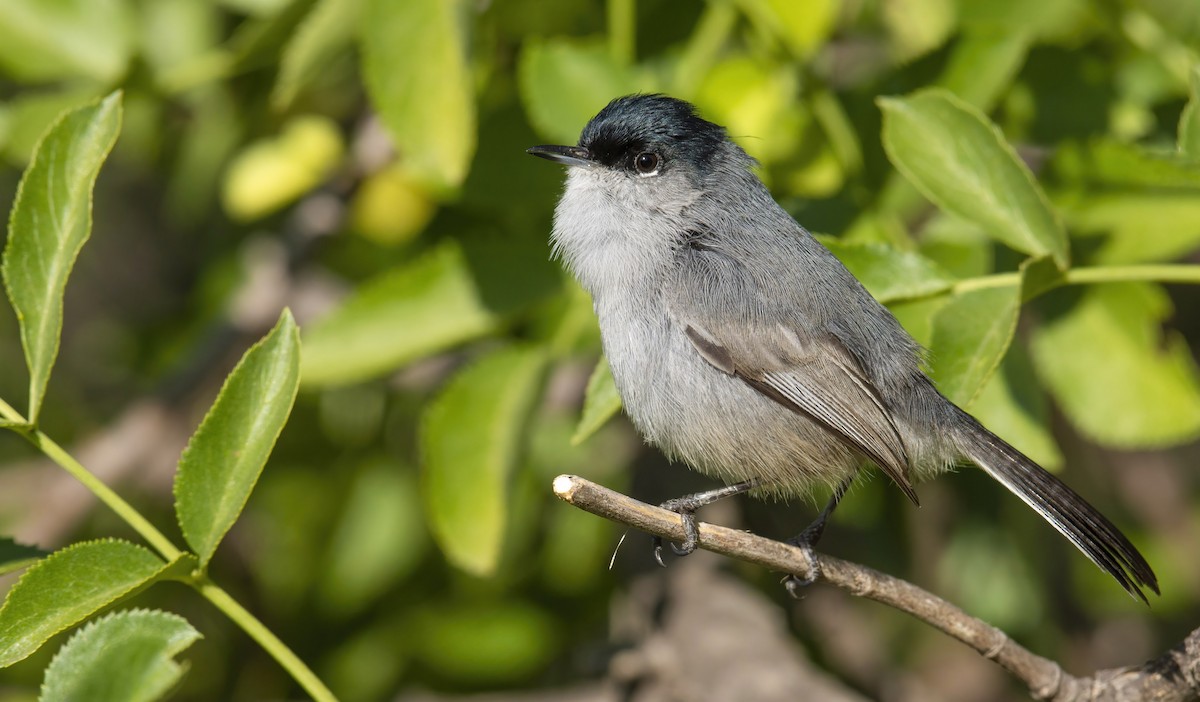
(989, 169)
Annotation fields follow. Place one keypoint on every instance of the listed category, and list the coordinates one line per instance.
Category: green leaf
(803, 26)
(426, 306)
(51, 219)
(121, 657)
(982, 66)
(15, 556)
(44, 40)
(751, 98)
(1014, 406)
(379, 539)
(225, 456)
(564, 83)
(958, 247)
(1112, 165)
(327, 31)
(470, 436)
(1120, 378)
(839, 130)
(960, 161)
(1138, 227)
(916, 27)
(1189, 121)
(971, 334)
(258, 40)
(1041, 18)
(419, 79)
(600, 404)
(485, 644)
(67, 587)
(889, 273)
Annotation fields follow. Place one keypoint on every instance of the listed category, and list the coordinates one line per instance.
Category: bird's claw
(658, 544)
(690, 530)
(795, 584)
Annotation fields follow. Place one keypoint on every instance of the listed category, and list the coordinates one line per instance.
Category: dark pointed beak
(566, 155)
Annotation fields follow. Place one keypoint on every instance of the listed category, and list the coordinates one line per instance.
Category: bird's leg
(686, 507)
(808, 538)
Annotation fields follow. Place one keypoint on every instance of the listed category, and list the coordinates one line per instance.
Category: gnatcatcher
(742, 346)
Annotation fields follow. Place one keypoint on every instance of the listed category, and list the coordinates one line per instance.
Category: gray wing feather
(820, 379)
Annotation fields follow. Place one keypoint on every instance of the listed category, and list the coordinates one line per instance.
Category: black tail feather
(1070, 514)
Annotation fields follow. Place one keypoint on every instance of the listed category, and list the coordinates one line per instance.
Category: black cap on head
(647, 122)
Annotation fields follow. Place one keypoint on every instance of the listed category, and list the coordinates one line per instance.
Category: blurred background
(362, 161)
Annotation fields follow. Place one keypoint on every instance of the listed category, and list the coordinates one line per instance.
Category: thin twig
(1172, 676)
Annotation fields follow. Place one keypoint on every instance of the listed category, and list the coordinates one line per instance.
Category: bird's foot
(795, 584)
(807, 540)
(686, 509)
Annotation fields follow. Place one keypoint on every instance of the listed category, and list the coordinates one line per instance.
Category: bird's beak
(566, 155)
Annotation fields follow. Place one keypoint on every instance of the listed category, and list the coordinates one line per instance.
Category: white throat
(616, 233)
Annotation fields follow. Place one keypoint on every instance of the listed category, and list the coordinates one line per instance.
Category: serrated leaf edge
(35, 400)
(174, 647)
(285, 321)
(138, 587)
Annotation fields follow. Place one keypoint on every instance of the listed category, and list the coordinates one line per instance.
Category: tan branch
(1173, 676)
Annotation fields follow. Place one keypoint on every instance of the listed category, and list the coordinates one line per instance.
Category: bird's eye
(646, 162)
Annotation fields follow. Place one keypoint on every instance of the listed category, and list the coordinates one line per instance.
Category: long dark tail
(1090, 531)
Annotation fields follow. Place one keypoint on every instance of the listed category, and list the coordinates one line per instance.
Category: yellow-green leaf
(419, 79)
(803, 26)
(67, 587)
(44, 40)
(225, 456)
(564, 83)
(428, 305)
(983, 64)
(1014, 406)
(51, 219)
(889, 273)
(470, 436)
(971, 334)
(1121, 379)
(329, 29)
(960, 161)
(600, 404)
(126, 656)
(1189, 121)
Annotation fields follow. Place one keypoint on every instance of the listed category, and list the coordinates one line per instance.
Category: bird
(744, 348)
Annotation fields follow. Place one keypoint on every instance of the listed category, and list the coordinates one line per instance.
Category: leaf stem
(1158, 273)
(265, 638)
(115, 502)
(622, 30)
(221, 599)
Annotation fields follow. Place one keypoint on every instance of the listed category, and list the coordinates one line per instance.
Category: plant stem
(115, 502)
(996, 280)
(234, 610)
(622, 30)
(1157, 273)
(265, 638)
